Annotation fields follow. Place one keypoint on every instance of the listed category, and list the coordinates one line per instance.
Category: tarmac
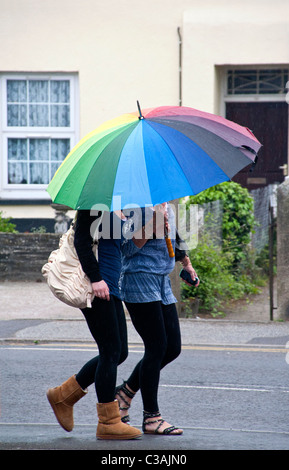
(29, 313)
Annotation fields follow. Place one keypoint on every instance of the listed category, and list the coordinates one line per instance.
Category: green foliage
(238, 216)
(40, 229)
(6, 225)
(218, 284)
(227, 271)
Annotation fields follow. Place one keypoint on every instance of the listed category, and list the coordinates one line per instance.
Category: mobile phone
(187, 277)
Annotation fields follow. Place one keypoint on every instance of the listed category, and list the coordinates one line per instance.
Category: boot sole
(55, 412)
(120, 437)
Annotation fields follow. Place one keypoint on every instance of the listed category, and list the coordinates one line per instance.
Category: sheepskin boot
(110, 425)
(62, 399)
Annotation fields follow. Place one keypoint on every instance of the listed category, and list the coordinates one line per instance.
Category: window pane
(39, 149)
(38, 91)
(17, 149)
(43, 156)
(60, 115)
(54, 168)
(243, 82)
(39, 173)
(38, 116)
(60, 148)
(48, 101)
(16, 91)
(17, 173)
(60, 91)
(273, 81)
(16, 115)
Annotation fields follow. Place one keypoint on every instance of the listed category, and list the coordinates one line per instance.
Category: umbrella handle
(170, 247)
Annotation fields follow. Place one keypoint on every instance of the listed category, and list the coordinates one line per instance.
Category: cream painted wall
(127, 50)
(236, 33)
(123, 50)
(33, 211)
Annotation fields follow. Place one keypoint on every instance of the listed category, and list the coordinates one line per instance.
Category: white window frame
(10, 191)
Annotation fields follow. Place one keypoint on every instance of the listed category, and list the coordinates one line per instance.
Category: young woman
(107, 324)
(146, 289)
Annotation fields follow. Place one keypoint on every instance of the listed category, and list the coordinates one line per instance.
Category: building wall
(223, 33)
(127, 51)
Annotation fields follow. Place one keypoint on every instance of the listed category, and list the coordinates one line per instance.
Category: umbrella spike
(139, 110)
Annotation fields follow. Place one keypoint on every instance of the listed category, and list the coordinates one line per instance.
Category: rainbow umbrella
(152, 156)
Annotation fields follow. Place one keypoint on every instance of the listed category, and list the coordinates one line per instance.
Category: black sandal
(129, 394)
(166, 432)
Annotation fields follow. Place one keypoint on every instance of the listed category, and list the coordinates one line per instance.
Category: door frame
(250, 98)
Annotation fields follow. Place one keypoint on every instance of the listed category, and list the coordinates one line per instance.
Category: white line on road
(191, 428)
(223, 387)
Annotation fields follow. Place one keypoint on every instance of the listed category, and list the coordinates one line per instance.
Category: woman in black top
(107, 324)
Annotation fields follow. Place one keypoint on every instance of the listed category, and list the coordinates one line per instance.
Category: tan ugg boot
(62, 399)
(110, 425)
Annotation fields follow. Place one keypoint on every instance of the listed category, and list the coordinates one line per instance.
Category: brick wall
(23, 255)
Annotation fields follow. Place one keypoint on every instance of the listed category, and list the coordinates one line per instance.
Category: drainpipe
(180, 66)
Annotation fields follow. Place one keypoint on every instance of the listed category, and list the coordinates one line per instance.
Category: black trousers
(158, 326)
(107, 324)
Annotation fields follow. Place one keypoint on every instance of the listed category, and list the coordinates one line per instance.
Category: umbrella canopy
(145, 158)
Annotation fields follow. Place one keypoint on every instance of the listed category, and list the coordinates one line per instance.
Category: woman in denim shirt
(146, 290)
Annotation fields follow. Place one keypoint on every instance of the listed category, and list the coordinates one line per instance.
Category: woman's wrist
(186, 262)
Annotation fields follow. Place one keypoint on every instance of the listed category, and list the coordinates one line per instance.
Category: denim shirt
(145, 271)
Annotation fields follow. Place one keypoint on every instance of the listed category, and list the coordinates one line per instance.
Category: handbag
(65, 276)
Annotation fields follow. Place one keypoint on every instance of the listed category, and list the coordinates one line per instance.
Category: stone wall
(283, 251)
(23, 255)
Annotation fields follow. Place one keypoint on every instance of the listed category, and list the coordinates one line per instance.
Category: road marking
(226, 387)
(243, 348)
(189, 428)
(139, 349)
(52, 349)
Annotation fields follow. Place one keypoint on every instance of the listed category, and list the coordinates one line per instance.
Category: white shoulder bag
(65, 276)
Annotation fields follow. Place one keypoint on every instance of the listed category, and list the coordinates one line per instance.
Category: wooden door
(269, 123)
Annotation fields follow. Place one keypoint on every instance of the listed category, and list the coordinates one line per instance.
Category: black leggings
(158, 326)
(107, 324)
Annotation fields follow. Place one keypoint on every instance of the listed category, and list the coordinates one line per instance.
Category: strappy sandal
(129, 394)
(166, 432)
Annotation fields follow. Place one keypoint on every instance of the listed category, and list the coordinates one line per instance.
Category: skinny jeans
(107, 324)
(158, 326)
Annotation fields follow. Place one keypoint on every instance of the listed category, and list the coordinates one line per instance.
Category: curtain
(37, 103)
(34, 161)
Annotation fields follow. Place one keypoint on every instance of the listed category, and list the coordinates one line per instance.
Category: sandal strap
(158, 427)
(153, 414)
(125, 419)
(127, 392)
(157, 414)
(147, 415)
(124, 389)
(169, 429)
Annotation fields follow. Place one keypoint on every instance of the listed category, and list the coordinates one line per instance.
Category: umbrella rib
(101, 155)
(205, 143)
(171, 152)
(234, 133)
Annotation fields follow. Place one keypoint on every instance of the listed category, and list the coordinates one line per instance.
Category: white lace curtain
(37, 103)
(34, 161)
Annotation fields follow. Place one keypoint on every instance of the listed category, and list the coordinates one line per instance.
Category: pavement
(29, 313)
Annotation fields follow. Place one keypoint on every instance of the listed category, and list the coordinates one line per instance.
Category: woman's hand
(193, 275)
(186, 262)
(101, 290)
